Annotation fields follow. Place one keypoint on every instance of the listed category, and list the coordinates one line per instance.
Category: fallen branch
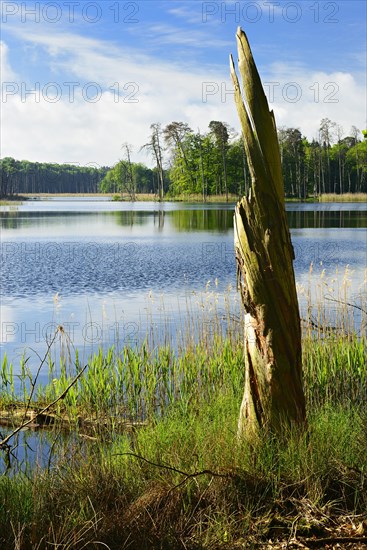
(346, 304)
(4, 441)
(323, 328)
(34, 381)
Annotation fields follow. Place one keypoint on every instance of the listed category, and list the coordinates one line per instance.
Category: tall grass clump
(335, 372)
(185, 481)
(330, 308)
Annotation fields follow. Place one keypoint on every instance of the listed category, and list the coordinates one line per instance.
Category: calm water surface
(106, 271)
(103, 269)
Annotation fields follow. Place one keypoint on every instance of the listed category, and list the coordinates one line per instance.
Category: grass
(179, 478)
(193, 198)
(344, 197)
(185, 482)
(8, 202)
(137, 385)
(141, 197)
(197, 197)
(48, 195)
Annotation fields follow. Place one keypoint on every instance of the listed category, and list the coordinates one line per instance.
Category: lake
(107, 271)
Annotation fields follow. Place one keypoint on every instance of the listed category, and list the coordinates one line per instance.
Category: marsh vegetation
(143, 451)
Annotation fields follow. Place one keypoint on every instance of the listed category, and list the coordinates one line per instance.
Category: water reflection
(134, 217)
(326, 218)
(179, 220)
(26, 450)
(202, 220)
(33, 448)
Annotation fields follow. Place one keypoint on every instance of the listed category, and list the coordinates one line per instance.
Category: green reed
(134, 490)
(201, 358)
(138, 384)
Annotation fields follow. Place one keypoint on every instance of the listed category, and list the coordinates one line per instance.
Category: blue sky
(80, 78)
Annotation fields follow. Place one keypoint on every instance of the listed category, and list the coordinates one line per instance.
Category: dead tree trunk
(273, 396)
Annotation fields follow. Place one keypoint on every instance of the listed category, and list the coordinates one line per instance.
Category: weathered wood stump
(273, 396)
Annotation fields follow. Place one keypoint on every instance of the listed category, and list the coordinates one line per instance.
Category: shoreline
(144, 197)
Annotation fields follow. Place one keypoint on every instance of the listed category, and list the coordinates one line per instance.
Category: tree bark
(273, 395)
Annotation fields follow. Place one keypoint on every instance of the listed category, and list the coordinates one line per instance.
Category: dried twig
(34, 381)
(346, 304)
(320, 542)
(4, 441)
(173, 469)
(315, 325)
(176, 470)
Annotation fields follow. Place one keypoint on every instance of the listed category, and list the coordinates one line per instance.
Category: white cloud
(302, 97)
(82, 131)
(7, 73)
(169, 34)
(187, 14)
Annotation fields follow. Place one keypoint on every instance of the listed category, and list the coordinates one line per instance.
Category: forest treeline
(210, 163)
(23, 176)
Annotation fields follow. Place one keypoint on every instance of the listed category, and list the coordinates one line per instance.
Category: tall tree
(174, 136)
(200, 145)
(155, 148)
(355, 134)
(340, 148)
(220, 131)
(292, 156)
(358, 170)
(7, 176)
(128, 180)
(326, 134)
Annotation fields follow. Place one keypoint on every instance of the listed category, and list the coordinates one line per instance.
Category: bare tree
(127, 181)
(326, 134)
(155, 148)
